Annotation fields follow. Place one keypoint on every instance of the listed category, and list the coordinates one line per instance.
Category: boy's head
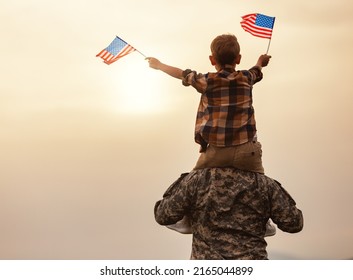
(225, 49)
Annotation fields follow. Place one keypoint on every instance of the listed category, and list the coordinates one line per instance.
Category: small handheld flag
(259, 25)
(116, 50)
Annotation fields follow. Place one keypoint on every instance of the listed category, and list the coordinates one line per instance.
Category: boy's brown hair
(225, 49)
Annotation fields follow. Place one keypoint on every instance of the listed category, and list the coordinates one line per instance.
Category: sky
(87, 149)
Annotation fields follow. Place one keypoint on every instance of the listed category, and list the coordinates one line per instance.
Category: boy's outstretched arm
(263, 60)
(170, 70)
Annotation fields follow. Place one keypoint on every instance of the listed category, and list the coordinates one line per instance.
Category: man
(228, 210)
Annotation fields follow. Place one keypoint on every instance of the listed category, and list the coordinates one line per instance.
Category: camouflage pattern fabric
(228, 210)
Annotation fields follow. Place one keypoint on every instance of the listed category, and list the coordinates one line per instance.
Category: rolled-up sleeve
(194, 79)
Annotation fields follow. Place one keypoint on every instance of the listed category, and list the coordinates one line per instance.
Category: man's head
(225, 49)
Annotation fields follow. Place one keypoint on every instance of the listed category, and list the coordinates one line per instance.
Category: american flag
(258, 25)
(117, 49)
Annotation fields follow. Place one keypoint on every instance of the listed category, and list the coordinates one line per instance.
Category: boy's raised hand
(170, 70)
(153, 62)
(263, 60)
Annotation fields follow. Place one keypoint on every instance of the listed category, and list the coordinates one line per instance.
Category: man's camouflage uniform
(228, 211)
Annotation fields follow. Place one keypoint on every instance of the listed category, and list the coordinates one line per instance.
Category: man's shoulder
(264, 179)
(230, 176)
(223, 175)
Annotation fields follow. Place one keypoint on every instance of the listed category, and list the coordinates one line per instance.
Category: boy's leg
(248, 156)
(215, 157)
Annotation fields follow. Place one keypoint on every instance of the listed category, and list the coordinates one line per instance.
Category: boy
(225, 123)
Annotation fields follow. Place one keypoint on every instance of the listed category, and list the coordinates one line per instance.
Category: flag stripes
(258, 25)
(116, 50)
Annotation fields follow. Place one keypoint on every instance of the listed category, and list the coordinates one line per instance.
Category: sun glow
(138, 89)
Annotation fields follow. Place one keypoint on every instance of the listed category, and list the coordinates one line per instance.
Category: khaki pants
(246, 156)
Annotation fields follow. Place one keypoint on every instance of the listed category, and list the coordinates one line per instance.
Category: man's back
(228, 209)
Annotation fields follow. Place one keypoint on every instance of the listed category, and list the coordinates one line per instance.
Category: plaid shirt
(225, 115)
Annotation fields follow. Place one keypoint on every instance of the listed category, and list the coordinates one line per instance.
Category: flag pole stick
(140, 53)
(269, 43)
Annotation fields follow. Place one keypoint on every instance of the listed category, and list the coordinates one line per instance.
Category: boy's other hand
(264, 60)
(153, 62)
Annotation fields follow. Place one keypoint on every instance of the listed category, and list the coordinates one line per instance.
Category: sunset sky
(86, 149)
